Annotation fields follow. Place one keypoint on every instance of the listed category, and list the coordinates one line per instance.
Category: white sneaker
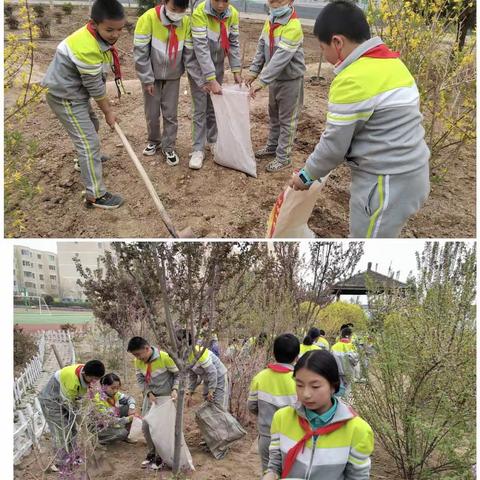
(196, 160)
(151, 149)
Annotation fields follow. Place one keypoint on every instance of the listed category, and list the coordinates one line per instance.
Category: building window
(41, 277)
(40, 266)
(26, 263)
(30, 285)
(26, 253)
(42, 286)
(51, 267)
(39, 256)
(29, 274)
(53, 277)
(51, 257)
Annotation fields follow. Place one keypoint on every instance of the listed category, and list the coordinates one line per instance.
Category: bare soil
(214, 201)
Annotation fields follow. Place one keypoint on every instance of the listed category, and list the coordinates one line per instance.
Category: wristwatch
(305, 177)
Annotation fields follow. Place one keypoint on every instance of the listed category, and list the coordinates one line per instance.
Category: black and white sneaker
(171, 157)
(151, 149)
(148, 460)
(108, 201)
(157, 464)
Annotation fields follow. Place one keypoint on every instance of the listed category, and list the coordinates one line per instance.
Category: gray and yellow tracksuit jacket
(79, 68)
(151, 48)
(343, 454)
(208, 367)
(284, 60)
(206, 31)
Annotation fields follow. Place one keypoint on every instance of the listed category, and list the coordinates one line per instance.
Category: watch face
(303, 178)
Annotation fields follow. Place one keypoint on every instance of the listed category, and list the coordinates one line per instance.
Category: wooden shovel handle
(161, 209)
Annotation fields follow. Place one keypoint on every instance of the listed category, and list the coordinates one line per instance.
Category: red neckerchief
(299, 446)
(345, 340)
(273, 27)
(148, 373)
(278, 368)
(172, 37)
(225, 42)
(116, 61)
(381, 51)
(78, 370)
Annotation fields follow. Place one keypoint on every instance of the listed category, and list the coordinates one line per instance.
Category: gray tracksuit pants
(164, 102)
(114, 433)
(220, 395)
(81, 124)
(60, 419)
(204, 125)
(284, 102)
(263, 446)
(145, 427)
(380, 205)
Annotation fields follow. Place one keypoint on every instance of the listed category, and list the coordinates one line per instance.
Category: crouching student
(320, 438)
(279, 63)
(157, 376)
(272, 389)
(163, 48)
(215, 32)
(209, 369)
(76, 74)
(60, 405)
(373, 123)
(116, 409)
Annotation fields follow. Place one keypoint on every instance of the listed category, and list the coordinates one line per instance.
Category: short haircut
(322, 363)
(109, 379)
(341, 17)
(94, 368)
(179, 3)
(136, 343)
(107, 10)
(286, 348)
(322, 332)
(312, 335)
(346, 332)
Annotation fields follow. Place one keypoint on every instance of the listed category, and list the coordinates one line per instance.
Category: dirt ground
(241, 463)
(214, 201)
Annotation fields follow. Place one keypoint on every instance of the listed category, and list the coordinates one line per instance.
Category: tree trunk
(179, 422)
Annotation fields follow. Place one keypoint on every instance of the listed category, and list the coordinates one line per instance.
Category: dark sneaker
(151, 149)
(171, 157)
(265, 152)
(276, 165)
(108, 201)
(148, 460)
(157, 464)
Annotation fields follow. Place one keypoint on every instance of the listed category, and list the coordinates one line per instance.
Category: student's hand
(249, 80)
(174, 394)
(152, 398)
(254, 88)
(110, 118)
(215, 87)
(210, 396)
(149, 88)
(237, 76)
(296, 183)
(270, 476)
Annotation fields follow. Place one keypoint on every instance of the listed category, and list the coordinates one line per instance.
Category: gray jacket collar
(165, 20)
(357, 53)
(155, 355)
(284, 19)
(210, 11)
(344, 412)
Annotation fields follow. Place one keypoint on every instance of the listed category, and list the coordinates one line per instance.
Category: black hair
(262, 337)
(109, 379)
(312, 334)
(183, 334)
(322, 363)
(286, 348)
(322, 332)
(346, 332)
(94, 368)
(341, 17)
(107, 10)
(136, 343)
(180, 3)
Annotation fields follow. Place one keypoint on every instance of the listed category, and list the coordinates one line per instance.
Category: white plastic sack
(136, 433)
(290, 214)
(161, 420)
(234, 145)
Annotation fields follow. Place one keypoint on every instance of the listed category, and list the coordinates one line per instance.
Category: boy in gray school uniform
(373, 123)
(163, 48)
(78, 73)
(279, 64)
(215, 32)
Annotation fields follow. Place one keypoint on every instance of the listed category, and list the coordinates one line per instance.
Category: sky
(399, 254)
